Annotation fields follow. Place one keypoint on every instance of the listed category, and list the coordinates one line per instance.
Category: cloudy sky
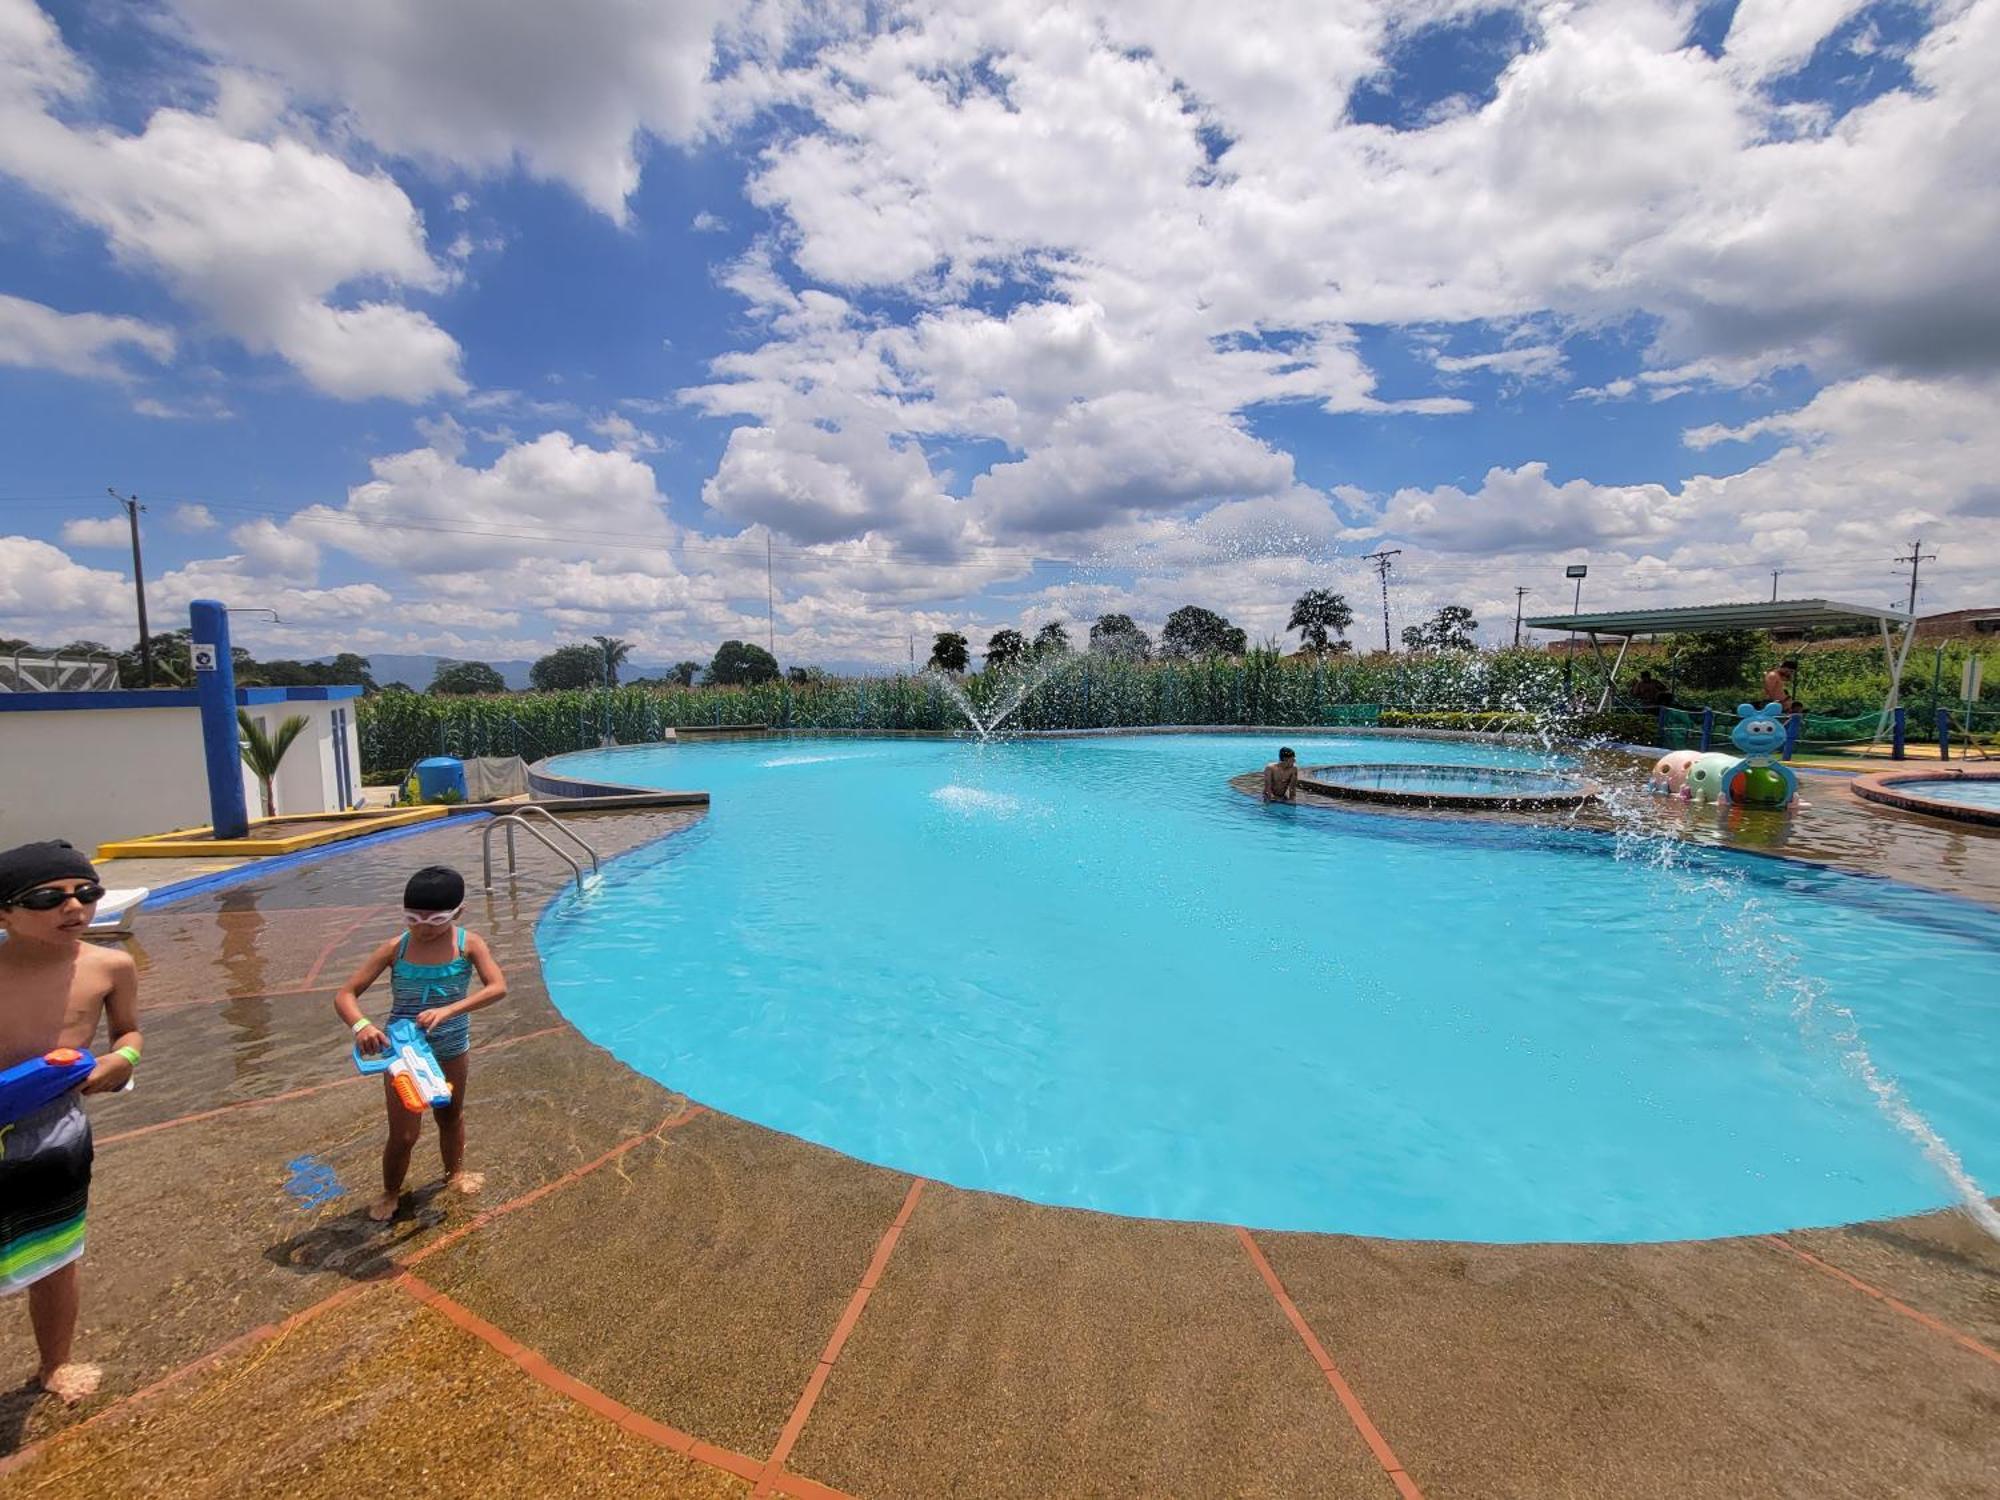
(471, 326)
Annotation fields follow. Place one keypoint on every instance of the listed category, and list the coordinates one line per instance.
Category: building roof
(246, 697)
(1780, 614)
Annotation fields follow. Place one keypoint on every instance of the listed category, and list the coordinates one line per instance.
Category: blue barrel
(438, 775)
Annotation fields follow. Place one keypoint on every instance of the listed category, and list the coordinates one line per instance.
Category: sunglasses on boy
(432, 918)
(49, 897)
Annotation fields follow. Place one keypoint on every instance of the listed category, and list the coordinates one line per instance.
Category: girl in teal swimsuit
(432, 968)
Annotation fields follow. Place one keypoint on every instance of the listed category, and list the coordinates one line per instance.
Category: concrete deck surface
(650, 1298)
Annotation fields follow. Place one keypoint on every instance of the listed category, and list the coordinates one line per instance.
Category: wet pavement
(649, 1298)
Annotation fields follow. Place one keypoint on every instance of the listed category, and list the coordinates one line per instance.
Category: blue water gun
(27, 1086)
(411, 1065)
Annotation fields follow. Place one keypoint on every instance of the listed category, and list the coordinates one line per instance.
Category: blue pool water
(1086, 972)
(1984, 792)
(1435, 781)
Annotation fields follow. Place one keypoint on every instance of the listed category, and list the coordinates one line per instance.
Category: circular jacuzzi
(1448, 787)
(1968, 796)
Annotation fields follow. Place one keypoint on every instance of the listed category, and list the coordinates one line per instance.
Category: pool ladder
(512, 820)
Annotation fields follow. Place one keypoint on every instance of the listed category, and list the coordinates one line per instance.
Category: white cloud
(97, 531)
(192, 519)
(261, 234)
(1770, 37)
(567, 91)
(42, 588)
(625, 435)
(36, 337)
(707, 223)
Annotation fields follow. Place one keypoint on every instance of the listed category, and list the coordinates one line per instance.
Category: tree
(261, 753)
(459, 677)
(1318, 612)
(1116, 635)
(348, 667)
(614, 651)
(1194, 631)
(1450, 629)
(948, 652)
(578, 666)
(1051, 640)
(740, 662)
(1711, 660)
(804, 676)
(685, 672)
(1004, 648)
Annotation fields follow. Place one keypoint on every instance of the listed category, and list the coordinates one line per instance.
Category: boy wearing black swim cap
(54, 988)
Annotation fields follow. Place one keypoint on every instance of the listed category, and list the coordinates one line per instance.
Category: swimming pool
(1087, 972)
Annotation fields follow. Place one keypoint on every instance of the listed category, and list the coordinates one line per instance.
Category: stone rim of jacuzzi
(1338, 781)
(1886, 788)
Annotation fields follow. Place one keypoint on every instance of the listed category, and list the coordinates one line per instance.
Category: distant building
(1960, 622)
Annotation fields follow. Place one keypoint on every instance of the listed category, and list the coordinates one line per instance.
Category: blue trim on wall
(249, 697)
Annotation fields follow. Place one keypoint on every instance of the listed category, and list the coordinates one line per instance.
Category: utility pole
(770, 616)
(1381, 561)
(1917, 558)
(913, 648)
(1774, 584)
(132, 509)
(1520, 593)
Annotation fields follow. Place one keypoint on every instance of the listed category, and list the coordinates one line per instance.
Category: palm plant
(262, 752)
(615, 652)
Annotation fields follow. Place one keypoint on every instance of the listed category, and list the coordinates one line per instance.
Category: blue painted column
(215, 688)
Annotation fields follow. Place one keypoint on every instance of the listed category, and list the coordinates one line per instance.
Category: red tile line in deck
(689, 1111)
(1356, 1413)
(315, 1088)
(772, 1475)
(541, 1370)
(264, 1332)
(1963, 1340)
(312, 975)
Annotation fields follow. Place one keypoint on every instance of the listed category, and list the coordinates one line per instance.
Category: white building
(94, 767)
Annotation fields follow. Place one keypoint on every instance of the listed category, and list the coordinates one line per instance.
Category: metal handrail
(511, 822)
(560, 827)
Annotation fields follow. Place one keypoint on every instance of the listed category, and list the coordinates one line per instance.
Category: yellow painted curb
(338, 825)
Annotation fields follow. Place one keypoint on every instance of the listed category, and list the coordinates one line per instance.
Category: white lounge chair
(116, 911)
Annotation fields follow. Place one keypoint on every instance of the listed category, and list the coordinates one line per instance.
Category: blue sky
(984, 314)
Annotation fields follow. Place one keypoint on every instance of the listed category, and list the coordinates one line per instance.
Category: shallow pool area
(1981, 792)
(1087, 972)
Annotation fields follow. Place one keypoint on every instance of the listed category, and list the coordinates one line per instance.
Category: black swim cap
(26, 866)
(434, 888)
(1286, 752)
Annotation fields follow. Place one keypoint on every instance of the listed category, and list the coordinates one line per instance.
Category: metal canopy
(1779, 614)
(1782, 614)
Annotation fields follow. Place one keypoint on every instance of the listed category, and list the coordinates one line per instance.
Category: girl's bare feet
(383, 1209)
(72, 1382)
(466, 1182)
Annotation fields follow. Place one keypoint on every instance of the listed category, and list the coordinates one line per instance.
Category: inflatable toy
(1708, 777)
(1757, 780)
(1670, 772)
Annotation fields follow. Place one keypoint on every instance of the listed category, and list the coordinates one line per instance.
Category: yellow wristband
(362, 1025)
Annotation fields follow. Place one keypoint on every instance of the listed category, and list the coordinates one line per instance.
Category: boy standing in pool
(431, 969)
(1281, 777)
(54, 988)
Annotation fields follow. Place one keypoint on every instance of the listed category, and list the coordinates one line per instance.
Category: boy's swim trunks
(44, 1183)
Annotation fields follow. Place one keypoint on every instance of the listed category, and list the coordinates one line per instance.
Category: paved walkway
(650, 1298)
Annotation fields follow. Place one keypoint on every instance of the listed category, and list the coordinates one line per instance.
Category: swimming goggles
(432, 918)
(49, 897)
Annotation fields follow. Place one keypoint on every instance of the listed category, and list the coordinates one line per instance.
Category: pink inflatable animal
(1670, 771)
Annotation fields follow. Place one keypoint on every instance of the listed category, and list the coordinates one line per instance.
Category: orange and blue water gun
(411, 1065)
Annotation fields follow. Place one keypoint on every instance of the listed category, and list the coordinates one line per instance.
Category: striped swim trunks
(44, 1183)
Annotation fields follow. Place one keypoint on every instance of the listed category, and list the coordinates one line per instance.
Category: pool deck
(650, 1298)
